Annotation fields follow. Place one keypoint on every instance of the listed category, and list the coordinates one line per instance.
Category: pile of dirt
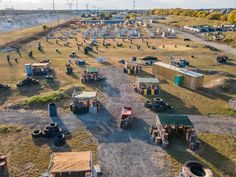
(224, 84)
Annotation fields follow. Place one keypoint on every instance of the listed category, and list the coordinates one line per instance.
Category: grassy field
(28, 158)
(206, 101)
(216, 151)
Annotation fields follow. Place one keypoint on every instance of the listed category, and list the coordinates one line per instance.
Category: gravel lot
(121, 152)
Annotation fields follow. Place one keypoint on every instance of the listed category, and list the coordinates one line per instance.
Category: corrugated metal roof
(180, 70)
(178, 120)
(148, 80)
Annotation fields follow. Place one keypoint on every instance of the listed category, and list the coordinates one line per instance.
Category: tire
(157, 100)
(57, 131)
(60, 140)
(47, 132)
(53, 126)
(37, 134)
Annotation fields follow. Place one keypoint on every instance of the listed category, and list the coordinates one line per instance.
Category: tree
(215, 16)
(232, 16)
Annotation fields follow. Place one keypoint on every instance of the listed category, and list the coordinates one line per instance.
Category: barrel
(144, 91)
(28, 70)
(179, 80)
(152, 92)
(129, 71)
(52, 109)
(158, 140)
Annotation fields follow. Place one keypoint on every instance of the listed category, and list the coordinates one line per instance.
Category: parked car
(148, 58)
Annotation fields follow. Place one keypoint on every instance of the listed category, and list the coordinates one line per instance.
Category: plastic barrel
(144, 91)
(129, 71)
(52, 109)
(179, 80)
(152, 92)
(28, 70)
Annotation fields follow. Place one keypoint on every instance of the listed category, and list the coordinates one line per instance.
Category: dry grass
(28, 158)
(216, 151)
(191, 21)
(185, 101)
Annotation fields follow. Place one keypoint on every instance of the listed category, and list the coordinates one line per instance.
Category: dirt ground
(122, 152)
(184, 100)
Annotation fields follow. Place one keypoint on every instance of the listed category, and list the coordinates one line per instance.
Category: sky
(117, 4)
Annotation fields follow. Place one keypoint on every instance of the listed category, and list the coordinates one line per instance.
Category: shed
(191, 80)
(67, 164)
(147, 86)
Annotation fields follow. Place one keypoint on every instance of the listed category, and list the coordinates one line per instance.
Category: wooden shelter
(71, 164)
(132, 67)
(180, 76)
(40, 69)
(174, 124)
(147, 86)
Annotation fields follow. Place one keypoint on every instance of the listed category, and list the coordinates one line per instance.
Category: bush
(5, 129)
(232, 16)
(46, 98)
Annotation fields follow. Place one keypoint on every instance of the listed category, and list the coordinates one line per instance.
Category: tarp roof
(178, 120)
(86, 95)
(92, 69)
(40, 64)
(71, 162)
(148, 80)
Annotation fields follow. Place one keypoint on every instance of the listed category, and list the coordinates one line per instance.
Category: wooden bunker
(168, 125)
(147, 86)
(69, 164)
(91, 74)
(180, 76)
(132, 67)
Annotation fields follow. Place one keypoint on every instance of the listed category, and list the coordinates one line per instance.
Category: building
(69, 164)
(179, 76)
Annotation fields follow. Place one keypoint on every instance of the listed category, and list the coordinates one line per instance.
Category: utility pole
(53, 5)
(134, 5)
(77, 5)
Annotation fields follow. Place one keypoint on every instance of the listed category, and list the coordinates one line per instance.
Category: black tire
(52, 126)
(37, 134)
(60, 140)
(57, 131)
(47, 132)
(157, 100)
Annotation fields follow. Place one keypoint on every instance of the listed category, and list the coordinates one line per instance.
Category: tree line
(214, 15)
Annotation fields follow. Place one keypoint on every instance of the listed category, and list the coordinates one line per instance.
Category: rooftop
(178, 120)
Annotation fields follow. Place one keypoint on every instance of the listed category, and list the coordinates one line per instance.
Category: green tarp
(178, 120)
(92, 69)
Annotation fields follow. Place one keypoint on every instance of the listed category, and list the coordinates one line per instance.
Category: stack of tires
(51, 131)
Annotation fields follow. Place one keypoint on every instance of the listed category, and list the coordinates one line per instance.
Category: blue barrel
(52, 109)
(28, 70)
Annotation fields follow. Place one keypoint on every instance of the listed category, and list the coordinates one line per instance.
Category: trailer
(180, 76)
